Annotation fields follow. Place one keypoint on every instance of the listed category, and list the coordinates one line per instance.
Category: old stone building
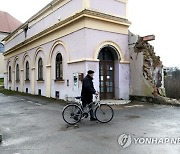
(50, 53)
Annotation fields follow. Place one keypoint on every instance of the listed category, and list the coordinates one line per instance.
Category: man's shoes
(93, 119)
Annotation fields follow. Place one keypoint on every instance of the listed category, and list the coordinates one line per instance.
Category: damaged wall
(146, 68)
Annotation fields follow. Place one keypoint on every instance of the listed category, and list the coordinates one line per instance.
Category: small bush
(172, 84)
(1, 81)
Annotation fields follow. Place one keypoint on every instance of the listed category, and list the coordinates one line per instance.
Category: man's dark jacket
(87, 90)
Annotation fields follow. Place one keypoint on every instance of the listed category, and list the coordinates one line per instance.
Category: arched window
(9, 73)
(27, 70)
(40, 69)
(17, 72)
(106, 54)
(59, 68)
(1, 48)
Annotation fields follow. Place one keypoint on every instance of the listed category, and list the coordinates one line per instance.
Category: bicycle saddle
(79, 97)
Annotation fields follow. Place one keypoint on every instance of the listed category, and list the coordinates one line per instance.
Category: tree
(172, 83)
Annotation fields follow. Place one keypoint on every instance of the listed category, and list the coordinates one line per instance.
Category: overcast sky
(147, 16)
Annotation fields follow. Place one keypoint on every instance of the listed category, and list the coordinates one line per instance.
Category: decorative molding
(83, 60)
(48, 66)
(60, 81)
(52, 50)
(40, 81)
(14, 62)
(27, 81)
(110, 44)
(39, 49)
(125, 62)
(123, 1)
(24, 58)
(39, 15)
(80, 15)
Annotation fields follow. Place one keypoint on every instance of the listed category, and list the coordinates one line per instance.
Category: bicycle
(74, 113)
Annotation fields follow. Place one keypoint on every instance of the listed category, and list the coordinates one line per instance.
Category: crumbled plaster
(152, 65)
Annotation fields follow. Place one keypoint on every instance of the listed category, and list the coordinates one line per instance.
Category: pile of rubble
(152, 65)
(152, 72)
(166, 101)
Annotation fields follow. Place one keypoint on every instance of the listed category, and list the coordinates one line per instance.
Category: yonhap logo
(125, 140)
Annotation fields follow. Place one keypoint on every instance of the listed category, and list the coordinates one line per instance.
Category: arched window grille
(17, 72)
(40, 69)
(9, 73)
(59, 67)
(27, 70)
(1, 48)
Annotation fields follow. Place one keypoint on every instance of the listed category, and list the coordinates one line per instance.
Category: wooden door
(106, 78)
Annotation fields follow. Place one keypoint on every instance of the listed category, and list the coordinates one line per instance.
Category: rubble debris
(165, 101)
(149, 86)
(152, 65)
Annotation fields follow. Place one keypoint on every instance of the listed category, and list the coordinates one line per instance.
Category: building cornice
(80, 15)
(82, 60)
(124, 1)
(106, 17)
(35, 17)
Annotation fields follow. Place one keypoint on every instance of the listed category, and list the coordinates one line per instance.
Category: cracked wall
(146, 68)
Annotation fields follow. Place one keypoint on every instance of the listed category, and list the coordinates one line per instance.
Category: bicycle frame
(96, 103)
(78, 112)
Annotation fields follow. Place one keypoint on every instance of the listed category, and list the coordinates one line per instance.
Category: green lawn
(1, 81)
(16, 93)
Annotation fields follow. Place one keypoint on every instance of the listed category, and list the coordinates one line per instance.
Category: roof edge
(83, 13)
(44, 9)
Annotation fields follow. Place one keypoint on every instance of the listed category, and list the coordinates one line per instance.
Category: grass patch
(1, 81)
(16, 93)
(7, 92)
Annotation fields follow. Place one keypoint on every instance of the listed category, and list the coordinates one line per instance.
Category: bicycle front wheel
(104, 113)
(72, 114)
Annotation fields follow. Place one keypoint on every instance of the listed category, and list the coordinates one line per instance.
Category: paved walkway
(34, 125)
(115, 102)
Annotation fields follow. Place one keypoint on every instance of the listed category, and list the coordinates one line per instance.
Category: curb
(118, 103)
(115, 102)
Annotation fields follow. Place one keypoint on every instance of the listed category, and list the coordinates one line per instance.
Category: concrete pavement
(31, 125)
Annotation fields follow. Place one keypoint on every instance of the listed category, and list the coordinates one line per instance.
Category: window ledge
(40, 81)
(17, 81)
(59, 80)
(10, 81)
(27, 80)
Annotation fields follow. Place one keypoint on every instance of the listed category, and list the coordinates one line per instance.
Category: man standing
(87, 92)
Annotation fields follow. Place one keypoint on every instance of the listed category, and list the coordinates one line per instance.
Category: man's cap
(90, 72)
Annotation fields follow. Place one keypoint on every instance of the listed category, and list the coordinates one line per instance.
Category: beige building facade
(51, 53)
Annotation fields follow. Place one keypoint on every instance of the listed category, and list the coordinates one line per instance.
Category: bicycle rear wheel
(72, 114)
(104, 113)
